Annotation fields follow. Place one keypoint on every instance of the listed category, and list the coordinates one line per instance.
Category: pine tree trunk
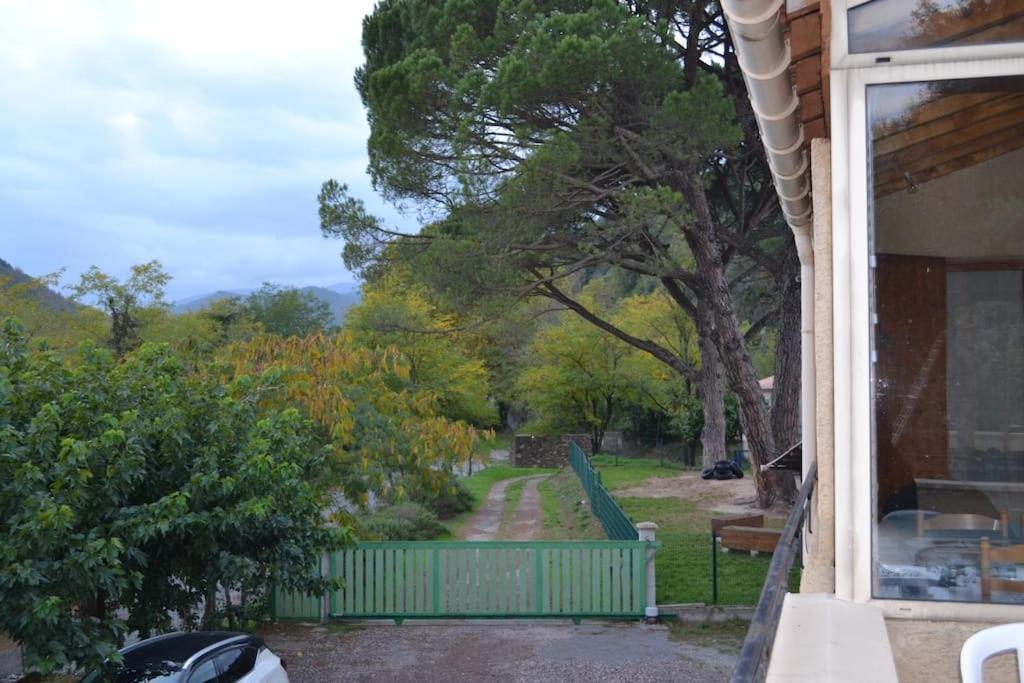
(712, 393)
(732, 346)
(786, 391)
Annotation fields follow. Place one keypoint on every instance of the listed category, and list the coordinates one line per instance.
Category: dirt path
(525, 524)
(486, 524)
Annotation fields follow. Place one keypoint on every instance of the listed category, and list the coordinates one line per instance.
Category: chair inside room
(992, 555)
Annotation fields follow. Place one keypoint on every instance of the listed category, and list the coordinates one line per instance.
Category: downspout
(764, 58)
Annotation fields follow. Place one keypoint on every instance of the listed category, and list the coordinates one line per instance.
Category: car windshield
(149, 672)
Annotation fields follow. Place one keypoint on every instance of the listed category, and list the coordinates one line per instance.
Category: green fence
(616, 523)
(423, 579)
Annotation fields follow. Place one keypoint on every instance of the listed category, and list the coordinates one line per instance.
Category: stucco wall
(929, 652)
(819, 570)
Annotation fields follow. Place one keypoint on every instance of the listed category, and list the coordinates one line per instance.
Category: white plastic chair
(990, 642)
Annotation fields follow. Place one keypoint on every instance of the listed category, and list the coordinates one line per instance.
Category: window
(892, 25)
(235, 663)
(946, 163)
(206, 672)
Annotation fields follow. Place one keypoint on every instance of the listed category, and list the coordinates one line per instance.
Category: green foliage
(397, 313)
(47, 318)
(387, 435)
(524, 124)
(287, 311)
(123, 300)
(452, 500)
(580, 379)
(138, 486)
(404, 522)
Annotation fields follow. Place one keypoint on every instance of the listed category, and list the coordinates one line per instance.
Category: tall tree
(123, 300)
(580, 378)
(550, 138)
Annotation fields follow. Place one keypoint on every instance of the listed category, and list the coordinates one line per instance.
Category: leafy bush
(452, 501)
(405, 522)
(130, 490)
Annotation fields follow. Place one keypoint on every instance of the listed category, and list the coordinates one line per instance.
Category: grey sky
(195, 132)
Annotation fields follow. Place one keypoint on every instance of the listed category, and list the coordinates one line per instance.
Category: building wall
(819, 570)
(929, 651)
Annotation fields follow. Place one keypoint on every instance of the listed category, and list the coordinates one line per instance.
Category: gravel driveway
(508, 650)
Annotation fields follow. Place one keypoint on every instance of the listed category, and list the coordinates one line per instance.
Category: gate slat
(616, 581)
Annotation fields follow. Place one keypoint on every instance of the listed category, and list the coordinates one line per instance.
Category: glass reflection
(948, 235)
(887, 25)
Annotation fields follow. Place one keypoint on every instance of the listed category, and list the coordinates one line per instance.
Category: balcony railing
(757, 647)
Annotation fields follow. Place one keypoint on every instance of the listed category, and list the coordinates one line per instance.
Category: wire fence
(617, 524)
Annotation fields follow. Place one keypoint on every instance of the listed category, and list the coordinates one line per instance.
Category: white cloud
(195, 132)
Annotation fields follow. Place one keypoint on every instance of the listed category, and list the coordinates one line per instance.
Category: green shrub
(455, 500)
(405, 522)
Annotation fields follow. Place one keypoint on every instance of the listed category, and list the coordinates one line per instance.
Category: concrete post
(645, 531)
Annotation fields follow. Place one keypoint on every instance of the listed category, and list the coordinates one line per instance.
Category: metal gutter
(764, 58)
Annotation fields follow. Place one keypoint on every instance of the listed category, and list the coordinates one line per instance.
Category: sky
(193, 132)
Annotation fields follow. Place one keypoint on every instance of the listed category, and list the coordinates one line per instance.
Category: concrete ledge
(821, 638)
(699, 613)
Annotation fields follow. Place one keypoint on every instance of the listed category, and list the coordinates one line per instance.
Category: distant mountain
(340, 297)
(9, 275)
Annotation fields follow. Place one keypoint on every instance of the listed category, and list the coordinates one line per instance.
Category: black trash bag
(723, 469)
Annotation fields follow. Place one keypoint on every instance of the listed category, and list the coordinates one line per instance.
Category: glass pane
(946, 161)
(887, 25)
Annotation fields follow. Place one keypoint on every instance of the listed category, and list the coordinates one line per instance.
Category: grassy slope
(564, 515)
(684, 531)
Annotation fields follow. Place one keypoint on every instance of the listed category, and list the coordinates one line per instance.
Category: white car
(196, 657)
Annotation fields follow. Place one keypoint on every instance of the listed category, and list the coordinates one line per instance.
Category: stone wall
(540, 451)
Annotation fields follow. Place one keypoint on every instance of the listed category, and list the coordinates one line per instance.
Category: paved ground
(10, 659)
(486, 524)
(454, 651)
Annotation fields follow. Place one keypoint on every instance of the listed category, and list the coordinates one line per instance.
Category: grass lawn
(480, 483)
(628, 472)
(683, 562)
(684, 559)
(564, 515)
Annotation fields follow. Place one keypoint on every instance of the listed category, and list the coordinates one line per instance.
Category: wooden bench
(718, 523)
(754, 539)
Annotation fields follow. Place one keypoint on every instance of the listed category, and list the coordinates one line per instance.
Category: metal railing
(757, 646)
(617, 525)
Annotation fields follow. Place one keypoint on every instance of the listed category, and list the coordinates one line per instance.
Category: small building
(894, 130)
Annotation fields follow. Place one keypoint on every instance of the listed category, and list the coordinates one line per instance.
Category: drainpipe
(764, 58)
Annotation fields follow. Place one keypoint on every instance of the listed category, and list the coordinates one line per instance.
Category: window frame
(842, 58)
(852, 260)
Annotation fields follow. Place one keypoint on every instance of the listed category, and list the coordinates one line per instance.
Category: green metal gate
(487, 579)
